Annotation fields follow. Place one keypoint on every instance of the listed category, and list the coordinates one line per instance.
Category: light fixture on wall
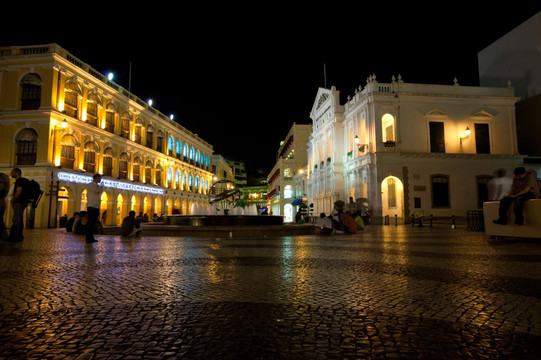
(361, 147)
(467, 132)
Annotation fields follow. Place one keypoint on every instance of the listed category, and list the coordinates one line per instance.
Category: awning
(297, 202)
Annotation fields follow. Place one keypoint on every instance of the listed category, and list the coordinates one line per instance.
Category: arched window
(197, 182)
(288, 192)
(387, 128)
(136, 169)
(137, 131)
(191, 153)
(170, 145)
(67, 151)
(71, 98)
(123, 166)
(197, 156)
(110, 113)
(107, 168)
(177, 178)
(208, 161)
(150, 135)
(30, 92)
(148, 172)
(178, 149)
(169, 177)
(93, 102)
(89, 164)
(185, 151)
(159, 171)
(27, 147)
(183, 181)
(159, 141)
(125, 125)
(190, 181)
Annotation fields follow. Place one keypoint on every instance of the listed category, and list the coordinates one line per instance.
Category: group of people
(524, 186)
(342, 220)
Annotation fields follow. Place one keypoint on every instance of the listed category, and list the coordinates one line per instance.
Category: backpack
(33, 192)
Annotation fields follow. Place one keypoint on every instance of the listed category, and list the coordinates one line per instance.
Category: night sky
(240, 77)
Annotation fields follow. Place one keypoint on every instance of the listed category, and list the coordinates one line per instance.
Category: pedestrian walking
(4, 189)
(93, 197)
(19, 202)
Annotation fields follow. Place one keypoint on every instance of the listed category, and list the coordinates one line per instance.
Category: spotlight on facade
(64, 124)
(171, 116)
(110, 76)
(149, 102)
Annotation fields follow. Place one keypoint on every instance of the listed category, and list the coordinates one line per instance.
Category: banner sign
(85, 179)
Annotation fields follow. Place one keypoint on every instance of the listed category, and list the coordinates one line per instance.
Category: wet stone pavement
(385, 293)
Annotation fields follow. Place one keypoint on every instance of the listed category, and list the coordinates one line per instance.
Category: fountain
(223, 210)
(225, 216)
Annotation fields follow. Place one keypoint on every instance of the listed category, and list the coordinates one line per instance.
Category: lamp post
(360, 147)
(63, 127)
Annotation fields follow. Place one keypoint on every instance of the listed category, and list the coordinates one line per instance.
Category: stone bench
(532, 220)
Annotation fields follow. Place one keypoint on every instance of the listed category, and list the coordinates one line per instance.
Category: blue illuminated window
(171, 143)
(197, 156)
(179, 147)
(191, 153)
(177, 176)
(185, 153)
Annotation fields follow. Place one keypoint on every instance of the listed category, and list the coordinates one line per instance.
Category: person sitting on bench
(524, 187)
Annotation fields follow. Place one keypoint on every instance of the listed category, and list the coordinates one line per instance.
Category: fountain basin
(223, 220)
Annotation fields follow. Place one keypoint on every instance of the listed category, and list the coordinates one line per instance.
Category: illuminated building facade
(290, 161)
(62, 121)
(410, 147)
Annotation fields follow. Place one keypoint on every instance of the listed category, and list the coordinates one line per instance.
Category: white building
(290, 161)
(410, 147)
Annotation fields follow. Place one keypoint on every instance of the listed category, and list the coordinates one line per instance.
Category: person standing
(4, 189)
(93, 197)
(499, 186)
(19, 202)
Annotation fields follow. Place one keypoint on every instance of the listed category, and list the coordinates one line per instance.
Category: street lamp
(467, 132)
(361, 147)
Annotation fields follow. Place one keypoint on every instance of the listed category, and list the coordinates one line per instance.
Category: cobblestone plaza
(388, 292)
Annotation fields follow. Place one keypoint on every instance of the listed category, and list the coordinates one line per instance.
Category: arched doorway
(121, 208)
(158, 206)
(83, 201)
(147, 206)
(63, 196)
(104, 206)
(288, 213)
(135, 204)
(184, 207)
(392, 197)
(169, 207)
(177, 206)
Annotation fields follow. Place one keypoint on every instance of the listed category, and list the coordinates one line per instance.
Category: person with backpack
(19, 202)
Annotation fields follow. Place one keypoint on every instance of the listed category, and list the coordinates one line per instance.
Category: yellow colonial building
(61, 121)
